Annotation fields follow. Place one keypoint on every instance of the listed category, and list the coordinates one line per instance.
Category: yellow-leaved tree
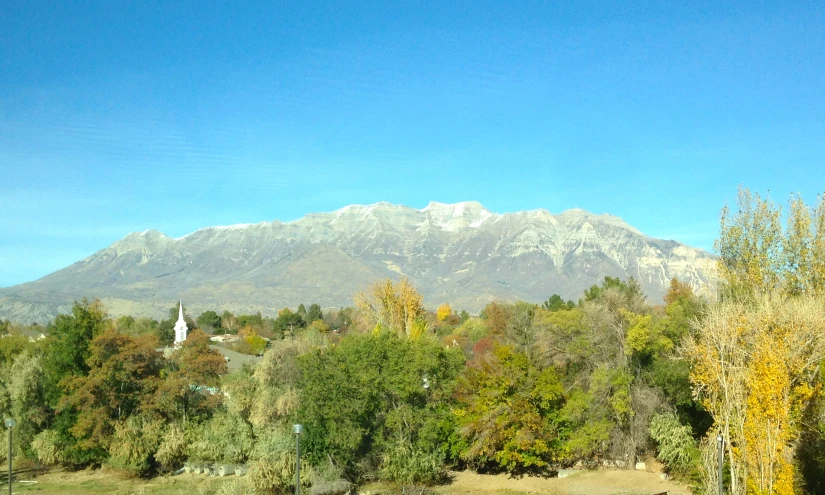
(756, 354)
(390, 306)
(754, 368)
(443, 312)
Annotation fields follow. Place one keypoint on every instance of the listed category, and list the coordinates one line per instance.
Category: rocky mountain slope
(457, 253)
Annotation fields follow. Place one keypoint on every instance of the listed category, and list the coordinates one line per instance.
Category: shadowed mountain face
(459, 253)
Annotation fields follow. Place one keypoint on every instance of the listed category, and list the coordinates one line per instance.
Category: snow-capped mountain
(458, 253)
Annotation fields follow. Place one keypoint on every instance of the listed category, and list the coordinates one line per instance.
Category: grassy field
(605, 482)
(103, 482)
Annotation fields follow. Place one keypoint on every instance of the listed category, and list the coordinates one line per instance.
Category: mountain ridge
(459, 253)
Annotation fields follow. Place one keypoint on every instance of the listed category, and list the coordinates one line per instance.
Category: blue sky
(122, 116)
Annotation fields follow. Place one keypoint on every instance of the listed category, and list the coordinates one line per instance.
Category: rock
(226, 470)
(640, 466)
(240, 470)
(564, 473)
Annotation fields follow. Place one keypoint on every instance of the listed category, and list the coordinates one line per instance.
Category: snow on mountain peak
(456, 216)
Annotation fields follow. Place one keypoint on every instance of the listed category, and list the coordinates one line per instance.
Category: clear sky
(121, 116)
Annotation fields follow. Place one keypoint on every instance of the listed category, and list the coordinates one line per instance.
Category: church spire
(180, 327)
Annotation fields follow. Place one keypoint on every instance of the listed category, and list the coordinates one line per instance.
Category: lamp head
(10, 423)
(297, 429)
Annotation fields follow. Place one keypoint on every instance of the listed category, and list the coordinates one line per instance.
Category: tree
(275, 381)
(594, 292)
(556, 303)
(390, 399)
(509, 417)
(123, 374)
(756, 256)
(287, 321)
(209, 321)
(136, 326)
(443, 312)
(67, 350)
(755, 369)
(229, 323)
(496, 316)
(252, 344)
(394, 307)
(255, 321)
(26, 396)
(314, 313)
(302, 314)
(319, 326)
(192, 379)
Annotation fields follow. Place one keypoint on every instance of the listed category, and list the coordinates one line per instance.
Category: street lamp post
(10, 423)
(721, 457)
(297, 429)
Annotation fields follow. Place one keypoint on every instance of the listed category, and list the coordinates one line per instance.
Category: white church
(180, 327)
(234, 360)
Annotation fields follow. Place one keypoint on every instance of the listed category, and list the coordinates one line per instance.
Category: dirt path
(601, 482)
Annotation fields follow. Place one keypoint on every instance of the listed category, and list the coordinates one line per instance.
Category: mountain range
(459, 253)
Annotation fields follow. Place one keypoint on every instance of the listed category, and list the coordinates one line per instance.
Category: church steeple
(180, 327)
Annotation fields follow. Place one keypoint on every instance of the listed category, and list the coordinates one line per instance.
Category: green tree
(757, 256)
(26, 396)
(209, 321)
(302, 313)
(287, 321)
(255, 321)
(556, 303)
(66, 357)
(67, 350)
(314, 313)
(509, 416)
(388, 392)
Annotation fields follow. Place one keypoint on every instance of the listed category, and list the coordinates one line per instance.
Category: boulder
(225, 469)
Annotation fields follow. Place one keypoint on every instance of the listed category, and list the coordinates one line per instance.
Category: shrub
(46, 447)
(134, 445)
(677, 448)
(272, 469)
(224, 438)
(172, 449)
(407, 465)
